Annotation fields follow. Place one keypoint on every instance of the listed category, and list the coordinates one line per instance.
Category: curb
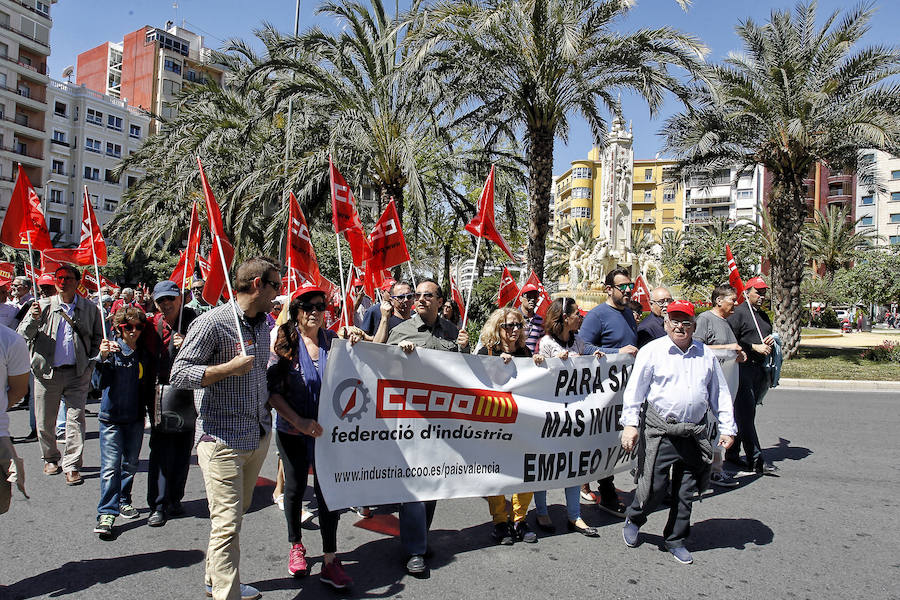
(839, 384)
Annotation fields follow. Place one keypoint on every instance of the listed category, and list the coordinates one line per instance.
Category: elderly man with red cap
(753, 330)
(680, 380)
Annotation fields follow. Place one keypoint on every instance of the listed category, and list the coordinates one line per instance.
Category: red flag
(457, 297)
(30, 274)
(388, 244)
(193, 248)
(544, 300)
(83, 255)
(203, 265)
(374, 279)
(482, 225)
(509, 291)
(48, 264)
(7, 272)
(345, 217)
(219, 262)
(24, 216)
(641, 293)
(734, 278)
(301, 256)
(178, 272)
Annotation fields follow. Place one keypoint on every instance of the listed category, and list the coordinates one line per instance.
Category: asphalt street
(828, 527)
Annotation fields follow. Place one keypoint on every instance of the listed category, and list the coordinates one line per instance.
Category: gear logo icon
(351, 400)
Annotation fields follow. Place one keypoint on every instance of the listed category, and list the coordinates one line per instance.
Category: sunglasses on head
(129, 327)
(313, 306)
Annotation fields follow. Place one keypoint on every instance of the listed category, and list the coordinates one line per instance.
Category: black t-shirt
(742, 323)
(523, 352)
(372, 319)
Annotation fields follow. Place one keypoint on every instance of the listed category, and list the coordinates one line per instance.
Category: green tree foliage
(873, 279)
(833, 241)
(700, 260)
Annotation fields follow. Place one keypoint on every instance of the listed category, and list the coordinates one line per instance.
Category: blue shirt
(65, 338)
(607, 329)
(650, 328)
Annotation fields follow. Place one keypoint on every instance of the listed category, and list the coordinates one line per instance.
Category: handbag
(174, 410)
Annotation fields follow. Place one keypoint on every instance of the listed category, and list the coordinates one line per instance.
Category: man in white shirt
(14, 368)
(680, 379)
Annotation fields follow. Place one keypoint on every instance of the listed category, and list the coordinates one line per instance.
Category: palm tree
(525, 66)
(799, 93)
(558, 248)
(832, 240)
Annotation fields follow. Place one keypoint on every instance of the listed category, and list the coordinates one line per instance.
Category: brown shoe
(74, 478)
(51, 468)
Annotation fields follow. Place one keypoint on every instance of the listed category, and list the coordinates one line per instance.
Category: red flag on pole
(7, 272)
(483, 225)
(509, 291)
(544, 300)
(387, 240)
(178, 272)
(457, 297)
(345, 217)
(641, 293)
(24, 216)
(301, 256)
(219, 261)
(29, 273)
(734, 278)
(83, 255)
(193, 248)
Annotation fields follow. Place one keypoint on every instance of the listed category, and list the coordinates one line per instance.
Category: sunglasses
(624, 287)
(663, 302)
(424, 295)
(512, 326)
(129, 327)
(276, 285)
(313, 306)
(403, 297)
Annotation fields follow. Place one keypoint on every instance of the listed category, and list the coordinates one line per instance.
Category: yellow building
(657, 204)
(577, 195)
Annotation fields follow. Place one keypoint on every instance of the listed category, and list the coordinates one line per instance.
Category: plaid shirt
(232, 410)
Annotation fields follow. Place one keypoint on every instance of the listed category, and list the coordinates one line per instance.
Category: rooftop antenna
(175, 10)
(67, 73)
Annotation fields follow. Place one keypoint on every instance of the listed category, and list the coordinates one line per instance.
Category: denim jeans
(573, 502)
(120, 446)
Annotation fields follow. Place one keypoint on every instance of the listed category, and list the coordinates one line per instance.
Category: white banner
(433, 425)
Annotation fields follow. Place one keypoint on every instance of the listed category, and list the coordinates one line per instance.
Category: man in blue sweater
(610, 328)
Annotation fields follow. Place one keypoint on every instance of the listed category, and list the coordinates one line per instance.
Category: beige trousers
(47, 395)
(230, 476)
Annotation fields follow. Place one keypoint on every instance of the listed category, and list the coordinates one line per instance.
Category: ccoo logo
(350, 400)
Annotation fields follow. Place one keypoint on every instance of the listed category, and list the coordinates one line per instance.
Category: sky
(79, 25)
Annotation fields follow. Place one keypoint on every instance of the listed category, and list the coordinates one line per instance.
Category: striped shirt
(232, 410)
(535, 328)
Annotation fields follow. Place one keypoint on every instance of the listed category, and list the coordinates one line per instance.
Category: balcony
(35, 72)
(36, 12)
(641, 199)
(840, 178)
(720, 201)
(704, 219)
(25, 126)
(27, 156)
(644, 221)
(30, 41)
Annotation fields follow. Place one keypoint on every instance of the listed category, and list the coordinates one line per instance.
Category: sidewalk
(834, 385)
(835, 339)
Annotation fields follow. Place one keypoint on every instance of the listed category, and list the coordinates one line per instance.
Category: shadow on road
(729, 533)
(784, 451)
(77, 576)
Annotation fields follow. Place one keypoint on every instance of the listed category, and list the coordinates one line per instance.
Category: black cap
(165, 289)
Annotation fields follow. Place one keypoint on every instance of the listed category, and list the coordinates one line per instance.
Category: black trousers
(752, 384)
(683, 456)
(170, 459)
(295, 459)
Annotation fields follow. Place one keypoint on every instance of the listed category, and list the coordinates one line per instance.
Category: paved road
(828, 528)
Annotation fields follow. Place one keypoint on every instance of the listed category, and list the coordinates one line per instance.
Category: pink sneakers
(334, 575)
(297, 566)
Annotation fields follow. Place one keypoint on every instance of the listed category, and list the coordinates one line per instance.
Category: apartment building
(89, 134)
(736, 197)
(657, 201)
(880, 209)
(24, 47)
(149, 67)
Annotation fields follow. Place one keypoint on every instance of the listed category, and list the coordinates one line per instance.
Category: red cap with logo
(757, 283)
(680, 306)
(528, 287)
(307, 288)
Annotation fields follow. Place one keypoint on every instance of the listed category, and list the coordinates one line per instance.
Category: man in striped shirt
(227, 365)
(534, 323)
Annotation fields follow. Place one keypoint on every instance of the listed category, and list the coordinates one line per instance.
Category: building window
(581, 212)
(131, 181)
(895, 240)
(866, 200)
(895, 175)
(895, 196)
(170, 88)
(60, 109)
(110, 205)
(866, 221)
(4, 50)
(42, 7)
(581, 173)
(56, 196)
(648, 196)
(55, 225)
(744, 194)
(58, 167)
(581, 192)
(668, 215)
(114, 122)
(866, 159)
(113, 150)
(24, 91)
(171, 65)
(94, 116)
(135, 131)
(895, 218)
(648, 174)
(110, 177)
(59, 136)
(92, 173)
(91, 144)
(669, 195)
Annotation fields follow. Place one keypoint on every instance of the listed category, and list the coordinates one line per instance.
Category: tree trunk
(540, 180)
(446, 270)
(787, 212)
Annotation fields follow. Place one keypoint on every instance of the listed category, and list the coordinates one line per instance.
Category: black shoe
(31, 437)
(415, 565)
(524, 533)
(176, 510)
(547, 527)
(585, 531)
(503, 534)
(156, 519)
(765, 468)
(612, 506)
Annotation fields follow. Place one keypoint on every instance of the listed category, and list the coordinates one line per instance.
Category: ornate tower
(618, 172)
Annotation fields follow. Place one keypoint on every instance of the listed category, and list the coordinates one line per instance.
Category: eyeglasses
(276, 285)
(512, 326)
(682, 324)
(424, 295)
(63, 278)
(624, 287)
(663, 301)
(129, 327)
(313, 306)
(197, 289)
(403, 297)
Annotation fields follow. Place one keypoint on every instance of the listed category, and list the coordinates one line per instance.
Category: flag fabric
(301, 256)
(374, 280)
(219, 262)
(387, 240)
(7, 272)
(91, 241)
(544, 300)
(89, 281)
(734, 277)
(29, 273)
(345, 217)
(482, 224)
(193, 248)
(48, 264)
(24, 216)
(204, 266)
(509, 291)
(641, 293)
(177, 275)
(457, 297)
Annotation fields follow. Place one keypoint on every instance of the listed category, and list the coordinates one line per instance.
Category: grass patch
(837, 363)
(814, 331)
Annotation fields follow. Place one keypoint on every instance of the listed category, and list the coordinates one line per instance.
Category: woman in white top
(561, 323)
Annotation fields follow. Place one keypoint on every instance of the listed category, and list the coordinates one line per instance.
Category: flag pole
(412, 277)
(753, 315)
(34, 290)
(183, 285)
(471, 287)
(337, 238)
(96, 267)
(232, 300)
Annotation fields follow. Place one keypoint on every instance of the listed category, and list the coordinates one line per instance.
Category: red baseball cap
(47, 279)
(528, 287)
(308, 288)
(680, 306)
(756, 282)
